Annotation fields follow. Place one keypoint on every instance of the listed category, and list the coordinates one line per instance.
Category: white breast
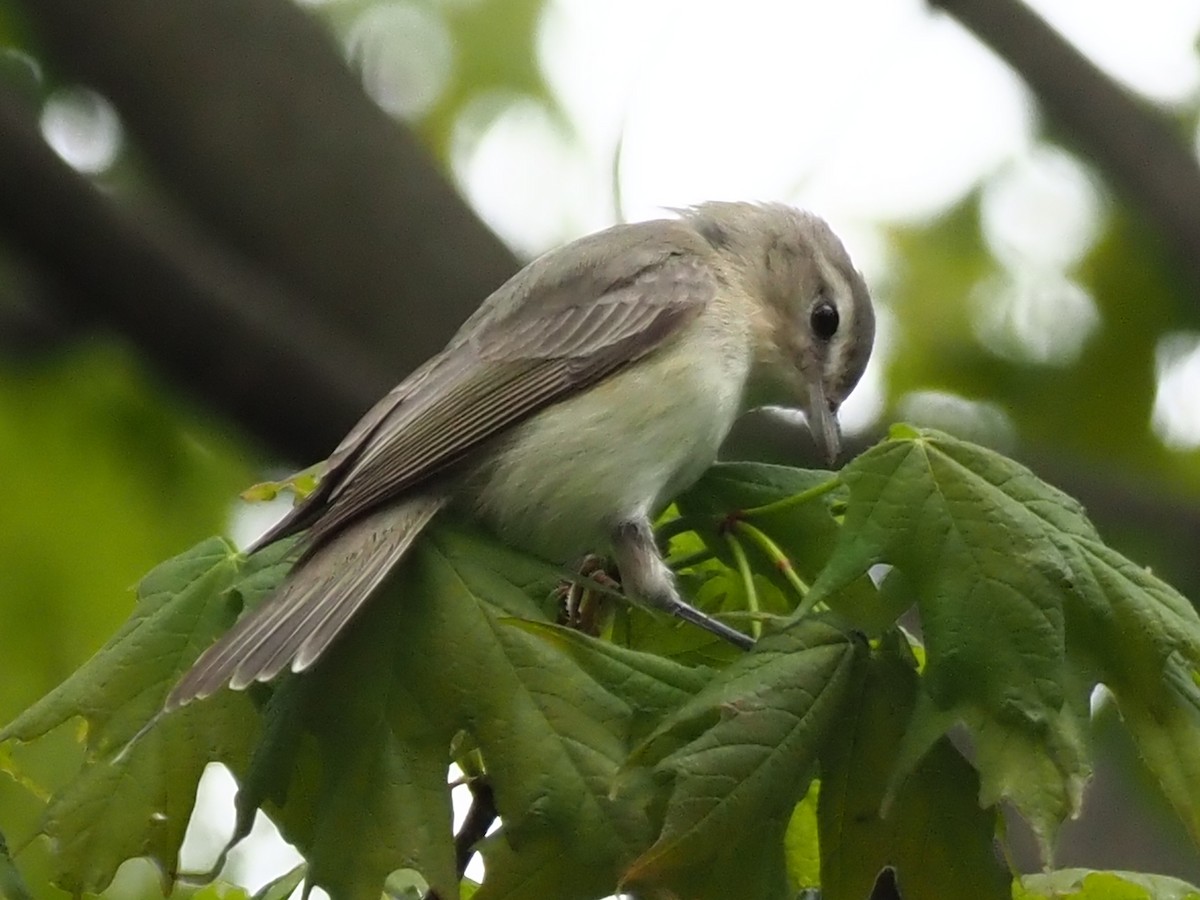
(618, 451)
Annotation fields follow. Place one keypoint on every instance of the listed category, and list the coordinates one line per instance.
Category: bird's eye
(824, 320)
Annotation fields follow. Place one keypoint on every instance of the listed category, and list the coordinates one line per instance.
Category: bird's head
(814, 323)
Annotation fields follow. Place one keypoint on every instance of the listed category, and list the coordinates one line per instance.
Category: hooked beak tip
(829, 438)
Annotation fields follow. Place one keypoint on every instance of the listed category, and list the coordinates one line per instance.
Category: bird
(572, 406)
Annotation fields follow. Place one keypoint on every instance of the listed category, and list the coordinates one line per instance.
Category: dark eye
(824, 320)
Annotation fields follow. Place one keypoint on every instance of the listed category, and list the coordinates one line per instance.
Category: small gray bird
(584, 394)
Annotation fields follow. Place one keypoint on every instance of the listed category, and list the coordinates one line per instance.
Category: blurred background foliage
(227, 226)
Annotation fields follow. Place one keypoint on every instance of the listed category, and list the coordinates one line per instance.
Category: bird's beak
(823, 423)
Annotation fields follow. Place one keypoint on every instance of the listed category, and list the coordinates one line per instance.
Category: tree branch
(250, 114)
(213, 325)
(479, 819)
(1137, 147)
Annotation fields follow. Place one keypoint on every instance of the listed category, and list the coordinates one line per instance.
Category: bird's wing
(299, 621)
(522, 354)
(308, 510)
(552, 331)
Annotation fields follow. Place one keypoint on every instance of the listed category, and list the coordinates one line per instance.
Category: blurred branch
(32, 319)
(1136, 146)
(215, 326)
(247, 110)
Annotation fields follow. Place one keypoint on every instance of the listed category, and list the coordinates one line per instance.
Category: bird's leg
(647, 579)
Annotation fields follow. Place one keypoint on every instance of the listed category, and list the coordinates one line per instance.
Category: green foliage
(932, 829)
(617, 767)
(97, 459)
(1140, 295)
(12, 885)
(741, 752)
(104, 479)
(135, 800)
(1080, 884)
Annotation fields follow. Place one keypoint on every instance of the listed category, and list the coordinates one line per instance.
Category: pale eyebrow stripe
(844, 300)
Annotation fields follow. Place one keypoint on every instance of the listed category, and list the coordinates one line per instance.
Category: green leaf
(299, 484)
(650, 685)
(738, 758)
(354, 777)
(353, 760)
(806, 532)
(353, 768)
(1084, 884)
(12, 885)
(1143, 640)
(135, 799)
(730, 488)
(1167, 738)
(963, 525)
(986, 547)
(220, 890)
(552, 738)
(406, 884)
(930, 830)
(801, 847)
(1023, 608)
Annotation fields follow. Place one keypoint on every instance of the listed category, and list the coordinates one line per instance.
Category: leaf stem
(799, 499)
(775, 554)
(743, 567)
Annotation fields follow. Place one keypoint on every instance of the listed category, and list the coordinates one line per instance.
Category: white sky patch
(405, 55)
(847, 108)
(1100, 698)
(250, 521)
(975, 420)
(461, 797)
(934, 115)
(1176, 415)
(82, 128)
(1034, 316)
(525, 177)
(594, 61)
(259, 859)
(1043, 210)
(873, 110)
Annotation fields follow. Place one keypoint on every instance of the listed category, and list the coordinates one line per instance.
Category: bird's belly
(615, 453)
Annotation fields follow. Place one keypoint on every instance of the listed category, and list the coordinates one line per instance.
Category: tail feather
(310, 608)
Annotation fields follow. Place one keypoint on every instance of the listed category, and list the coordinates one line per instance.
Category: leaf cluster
(934, 620)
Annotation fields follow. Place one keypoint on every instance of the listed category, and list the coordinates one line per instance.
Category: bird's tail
(298, 622)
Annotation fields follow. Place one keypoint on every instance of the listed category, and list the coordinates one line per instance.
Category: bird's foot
(581, 607)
